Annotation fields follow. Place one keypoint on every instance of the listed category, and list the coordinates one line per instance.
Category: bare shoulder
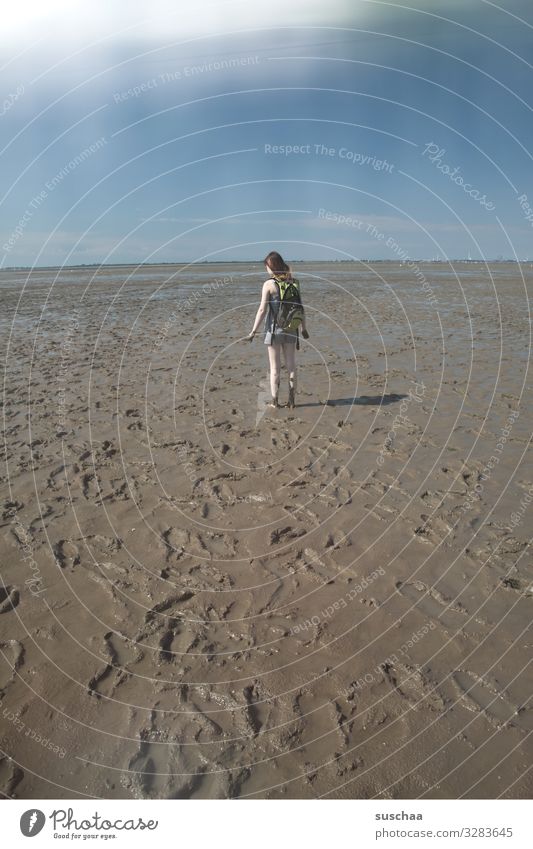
(269, 287)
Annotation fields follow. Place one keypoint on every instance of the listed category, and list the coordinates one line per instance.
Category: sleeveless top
(274, 301)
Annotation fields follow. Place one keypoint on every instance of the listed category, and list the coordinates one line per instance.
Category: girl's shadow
(362, 400)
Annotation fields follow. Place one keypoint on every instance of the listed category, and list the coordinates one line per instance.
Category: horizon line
(259, 262)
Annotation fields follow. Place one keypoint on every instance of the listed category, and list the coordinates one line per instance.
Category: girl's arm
(262, 311)
(304, 328)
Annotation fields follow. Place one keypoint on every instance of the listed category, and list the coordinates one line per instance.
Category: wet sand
(206, 598)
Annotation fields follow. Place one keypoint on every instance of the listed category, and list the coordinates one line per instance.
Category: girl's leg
(289, 354)
(274, 356)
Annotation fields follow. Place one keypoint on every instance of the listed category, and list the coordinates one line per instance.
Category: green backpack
(291, 312)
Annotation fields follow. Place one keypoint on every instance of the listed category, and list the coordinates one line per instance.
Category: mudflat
(203, 597)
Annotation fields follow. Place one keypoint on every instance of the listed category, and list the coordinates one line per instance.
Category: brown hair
(278, 265)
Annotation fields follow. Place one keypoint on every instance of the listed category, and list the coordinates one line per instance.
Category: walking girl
(281, 303)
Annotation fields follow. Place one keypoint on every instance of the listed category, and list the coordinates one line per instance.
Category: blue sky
(145, 133)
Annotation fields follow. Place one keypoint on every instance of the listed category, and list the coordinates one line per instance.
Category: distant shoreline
(256, 262)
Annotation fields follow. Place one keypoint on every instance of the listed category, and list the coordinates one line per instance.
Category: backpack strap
(273, 330)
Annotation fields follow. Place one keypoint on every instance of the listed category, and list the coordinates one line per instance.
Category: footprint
(163, 606)
(13, 653)
(220, 493)
(9, 598)
(101, 546)
(10, 776)
(99, 685)
(140, 780)
(55, 481)
(260, 707)
(176, 541)
(108, 450)
(481, 696)
(320, 725)
(411, 684)
(336, 539)
(10, 508)
(432, 499)
(524, 719)
(90, 486)
(284, 534)
(433, 530)
(312, 565)
(105, 682)
(152, 775)
(434, 605)
(170, 642)
(66, 553)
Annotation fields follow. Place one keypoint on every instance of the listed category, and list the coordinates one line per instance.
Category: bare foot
(291, 401)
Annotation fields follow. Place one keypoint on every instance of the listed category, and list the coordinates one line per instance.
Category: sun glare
(77, 20)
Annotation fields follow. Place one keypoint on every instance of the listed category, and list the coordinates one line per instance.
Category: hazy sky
(160, 131)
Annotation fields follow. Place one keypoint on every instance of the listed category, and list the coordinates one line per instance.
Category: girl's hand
(251, 336)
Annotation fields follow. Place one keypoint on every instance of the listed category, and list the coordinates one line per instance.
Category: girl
(276, 339)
